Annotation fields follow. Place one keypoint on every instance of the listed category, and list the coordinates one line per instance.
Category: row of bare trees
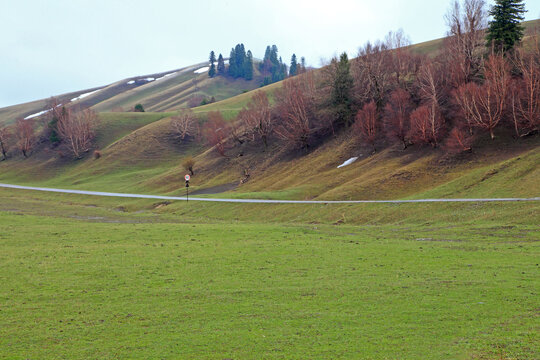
(73, 131)
(393, 95)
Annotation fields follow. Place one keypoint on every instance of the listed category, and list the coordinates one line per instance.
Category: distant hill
(158, 92)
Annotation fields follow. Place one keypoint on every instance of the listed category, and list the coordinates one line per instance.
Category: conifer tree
(221, 65)
(505, 30)
(212, 57)
(341, 89)
(303, 64)
(233, 69)
(293, 70)
(248, 66)
(212, 71)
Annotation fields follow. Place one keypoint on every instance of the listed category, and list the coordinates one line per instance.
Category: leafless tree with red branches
(24, 133)
(294, 108)
(366, 125)
(465, 44)
(426, 125)
(525, 94)
(216, 132)
(371, 74)
(459, 140)
(397, 115)
(483, 106)
(256, 118)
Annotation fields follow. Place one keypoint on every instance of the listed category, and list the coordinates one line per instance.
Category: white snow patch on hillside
(82, 96)
(164, 76)
(131, 82)
(37, 114)
(202, 70)
(150, 79)
(348, 162)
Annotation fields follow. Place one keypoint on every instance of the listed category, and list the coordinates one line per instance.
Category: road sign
(187, 177)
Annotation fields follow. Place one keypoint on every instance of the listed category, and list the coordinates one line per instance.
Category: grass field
(89, 281)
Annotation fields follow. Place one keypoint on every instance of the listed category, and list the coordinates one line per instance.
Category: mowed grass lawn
(77, 289)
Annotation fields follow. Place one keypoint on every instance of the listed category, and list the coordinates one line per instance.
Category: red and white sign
(187, 177)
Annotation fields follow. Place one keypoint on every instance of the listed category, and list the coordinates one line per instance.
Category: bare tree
(24, 133)
(397, 115)
(466, 41)
(370, 71)
(483, 106)
(426, 125)
(366, 126)
(431, 89)
(77, 130)
(185, 125)
(5, 137)
(216, 132)
(401, 62)
(257, 118)
(526, 91)
(295, 112)
(459, 140)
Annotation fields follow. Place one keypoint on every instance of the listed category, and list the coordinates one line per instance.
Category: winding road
(258, 201)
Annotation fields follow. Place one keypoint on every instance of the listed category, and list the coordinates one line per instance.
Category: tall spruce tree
(221, 65)
(248, 66)
(233, 68)
(341, 89)
(506, 30)
(212, 70)
(293, 70)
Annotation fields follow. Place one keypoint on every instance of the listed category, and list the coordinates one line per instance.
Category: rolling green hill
(140, 153)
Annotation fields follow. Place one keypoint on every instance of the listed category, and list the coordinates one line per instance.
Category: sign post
(187, 177)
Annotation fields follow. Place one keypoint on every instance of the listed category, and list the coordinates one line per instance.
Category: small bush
(138, 108)
(97, 154)
(188, 164)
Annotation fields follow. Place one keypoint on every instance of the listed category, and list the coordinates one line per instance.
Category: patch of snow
(150, 79)
(82, 96)
(131, 82)
(348, 162)
(37, 114)
(202, 70)
(164, 76)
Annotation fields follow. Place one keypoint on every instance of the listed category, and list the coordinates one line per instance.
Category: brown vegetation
(5, 138)
(185, 124)
(24, 133)
(77, 130)
(216, 132)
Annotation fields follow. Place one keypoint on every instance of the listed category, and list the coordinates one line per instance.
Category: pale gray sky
(50, 47)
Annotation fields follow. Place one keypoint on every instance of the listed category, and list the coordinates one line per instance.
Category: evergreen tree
(303, 64)
(293, 70)
(282, 74)
(505, 30)
(233, 70)
(248, 66)
(341, 89)
(240, 53)
(221, 65)
(212, 57)
(212, 71)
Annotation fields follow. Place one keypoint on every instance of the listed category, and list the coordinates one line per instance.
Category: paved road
(257, 201)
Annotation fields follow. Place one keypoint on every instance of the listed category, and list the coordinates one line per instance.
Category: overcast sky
(50, 47)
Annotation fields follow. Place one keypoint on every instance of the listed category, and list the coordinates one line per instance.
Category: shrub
(188, 164)
(138, 108)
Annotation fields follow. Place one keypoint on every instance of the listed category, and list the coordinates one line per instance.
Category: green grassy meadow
(111, 278)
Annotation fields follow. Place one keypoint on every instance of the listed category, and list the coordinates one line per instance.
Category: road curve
(259, 201)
